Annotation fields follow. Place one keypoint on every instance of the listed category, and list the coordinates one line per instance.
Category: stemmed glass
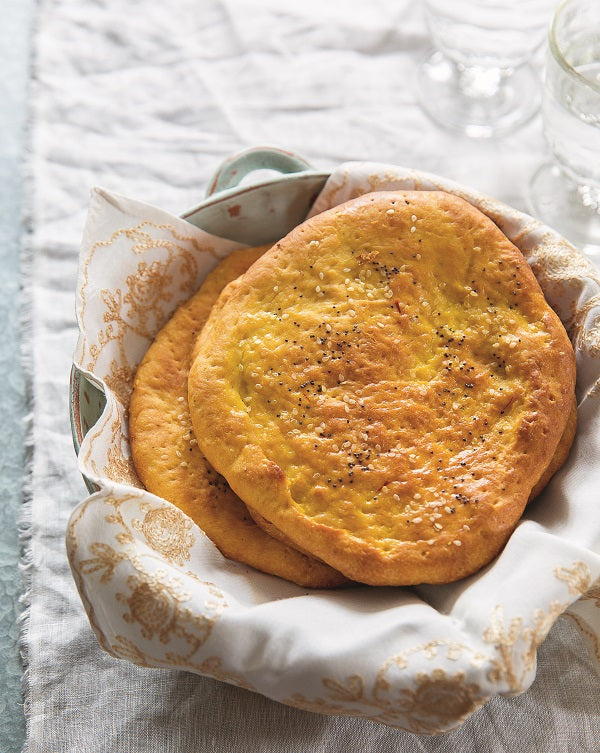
(565, 193)
(480, 80)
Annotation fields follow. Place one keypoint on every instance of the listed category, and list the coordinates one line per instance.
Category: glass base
(479, 102)
(563, 205)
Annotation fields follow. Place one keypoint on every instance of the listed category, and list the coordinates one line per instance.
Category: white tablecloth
(146, 99)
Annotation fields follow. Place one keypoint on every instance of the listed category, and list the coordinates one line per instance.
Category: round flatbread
(168, 460)
(386, 386)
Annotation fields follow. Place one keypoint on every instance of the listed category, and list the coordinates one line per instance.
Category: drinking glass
(480, 80)
(565, 193)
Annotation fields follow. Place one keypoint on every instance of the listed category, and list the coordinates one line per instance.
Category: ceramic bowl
(159, 594)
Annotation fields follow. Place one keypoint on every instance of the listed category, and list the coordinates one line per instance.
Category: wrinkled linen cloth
(147, 101)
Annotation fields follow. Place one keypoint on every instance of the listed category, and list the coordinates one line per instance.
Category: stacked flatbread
(375, 398)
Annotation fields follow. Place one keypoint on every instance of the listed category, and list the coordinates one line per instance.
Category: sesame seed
(437, 526)
(414, 218)
(417, 520)
(275, 288)
(413, 229)
(390, 211)
(318, 289)
(321, 275)
(417, 496)
(456, 542)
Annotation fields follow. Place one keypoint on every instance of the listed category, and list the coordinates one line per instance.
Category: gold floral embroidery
(213, 667)
(586, 334)
(353, 689)
(516, 645)
(577, 577)
(120, 382)
(149, 296)
(167, 531)
(105, 561)
(440, 699)
(593, 593)
(556, 269)
(119, 466)
(156, 605)
(125, 648)
(156, 600)
(152, 606)
(148, 288)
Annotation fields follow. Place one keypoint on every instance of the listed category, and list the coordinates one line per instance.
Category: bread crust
(168, 460)
(386, 386)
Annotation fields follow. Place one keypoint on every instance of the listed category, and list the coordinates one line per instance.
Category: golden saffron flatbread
(386, 386)
(168, 460)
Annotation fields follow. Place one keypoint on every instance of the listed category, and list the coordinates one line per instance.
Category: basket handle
(234, 169)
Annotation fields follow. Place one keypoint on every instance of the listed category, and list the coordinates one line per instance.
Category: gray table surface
(14, 52)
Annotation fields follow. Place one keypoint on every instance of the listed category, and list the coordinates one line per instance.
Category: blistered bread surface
(166, 454)
(386, 386)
